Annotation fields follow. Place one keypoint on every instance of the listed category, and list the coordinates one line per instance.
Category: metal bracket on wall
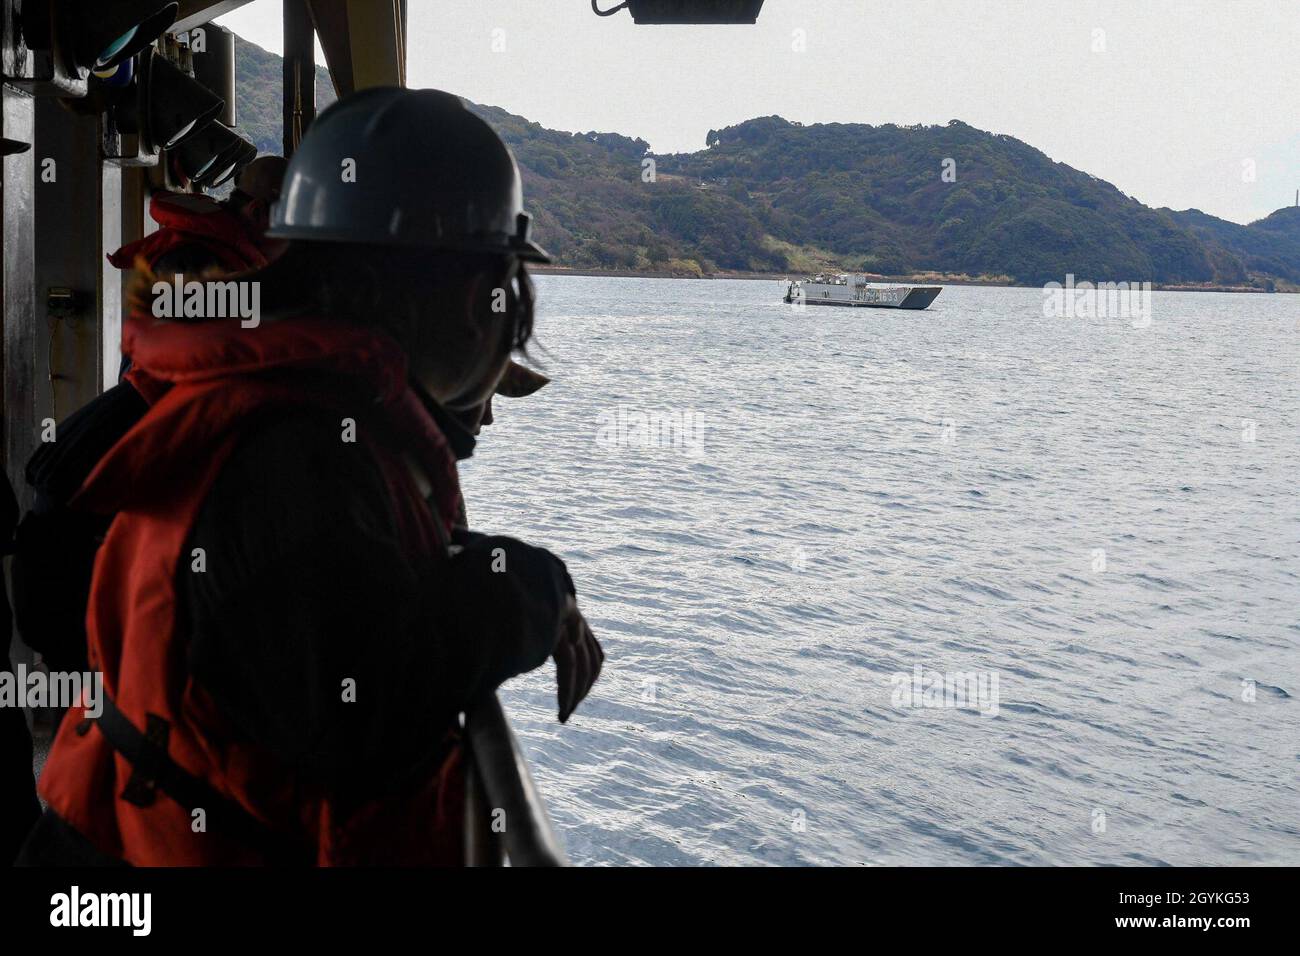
(62, 302)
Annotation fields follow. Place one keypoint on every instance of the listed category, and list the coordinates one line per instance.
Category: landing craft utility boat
(854, 290)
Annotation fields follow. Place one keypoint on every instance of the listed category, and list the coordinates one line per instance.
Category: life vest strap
(154, 771)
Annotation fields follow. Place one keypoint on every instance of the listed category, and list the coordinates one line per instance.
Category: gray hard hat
(397, 167)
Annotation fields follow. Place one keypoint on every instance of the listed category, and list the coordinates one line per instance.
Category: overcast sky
(1177, 102)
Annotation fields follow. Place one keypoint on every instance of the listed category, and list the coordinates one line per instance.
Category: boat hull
(897, 297)
(919, 298)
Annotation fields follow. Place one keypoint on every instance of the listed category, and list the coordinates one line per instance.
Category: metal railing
(505, 818)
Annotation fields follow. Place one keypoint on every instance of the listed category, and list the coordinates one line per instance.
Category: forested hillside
(770, 195)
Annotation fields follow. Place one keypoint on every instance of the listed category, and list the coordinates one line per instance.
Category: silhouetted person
(288, 618)
(197, 235)
(197, 232)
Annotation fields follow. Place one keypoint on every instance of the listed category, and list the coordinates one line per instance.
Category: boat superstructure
(854, 290)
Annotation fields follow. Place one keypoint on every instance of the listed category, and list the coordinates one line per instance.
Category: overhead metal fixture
(208, 153)
(118, 30)
(662, 12)
(58, 44)
(212, 52)
(169, 105)
(248, 153)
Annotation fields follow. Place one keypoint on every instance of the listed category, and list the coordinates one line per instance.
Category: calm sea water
(1103, 518)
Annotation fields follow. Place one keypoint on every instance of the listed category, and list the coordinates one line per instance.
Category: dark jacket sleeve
(18, 806)
(55, 547)
(305, 592)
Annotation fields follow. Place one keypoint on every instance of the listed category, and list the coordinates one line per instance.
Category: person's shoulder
(57, 469)
(289, 486)
(293, 441)
(300, 458)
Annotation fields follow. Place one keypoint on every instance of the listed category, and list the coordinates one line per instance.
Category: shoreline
(924, 279)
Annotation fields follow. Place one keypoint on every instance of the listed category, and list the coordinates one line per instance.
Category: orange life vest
(185, 219)
(207, 381)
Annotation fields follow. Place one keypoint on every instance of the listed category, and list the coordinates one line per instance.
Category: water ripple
(1070, 506)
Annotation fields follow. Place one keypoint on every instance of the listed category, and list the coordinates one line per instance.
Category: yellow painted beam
(364, 41)
(377, 42)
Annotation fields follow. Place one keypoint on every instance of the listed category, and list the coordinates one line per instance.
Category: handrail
(499, 783)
